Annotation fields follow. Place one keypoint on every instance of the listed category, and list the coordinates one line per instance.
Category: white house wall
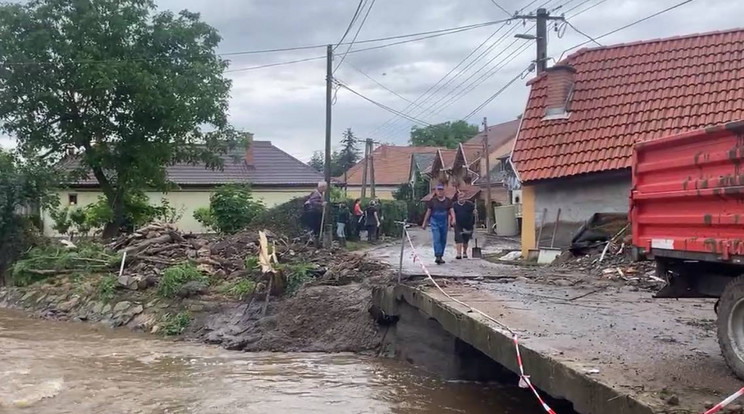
(185, 202)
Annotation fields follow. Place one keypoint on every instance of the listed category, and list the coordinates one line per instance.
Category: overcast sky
(285, 104)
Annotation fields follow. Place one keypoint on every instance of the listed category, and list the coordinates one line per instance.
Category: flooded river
(58, 367)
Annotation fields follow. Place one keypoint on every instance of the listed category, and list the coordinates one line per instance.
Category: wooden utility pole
(327, 231)
(487, 155)
(541, 35)
(364, 173)
(371, 168)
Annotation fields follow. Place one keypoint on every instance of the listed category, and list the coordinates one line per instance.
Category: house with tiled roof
(391, 167)
(465, 166)
(574, 146)
(274, 176)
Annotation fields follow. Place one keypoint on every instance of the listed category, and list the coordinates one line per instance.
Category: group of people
(349, 224)
(443, 213)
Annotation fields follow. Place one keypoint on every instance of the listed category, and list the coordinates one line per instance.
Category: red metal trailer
(687, 213)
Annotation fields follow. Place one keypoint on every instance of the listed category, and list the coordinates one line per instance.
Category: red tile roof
(392, 165)
(498, 135)
(630, 92)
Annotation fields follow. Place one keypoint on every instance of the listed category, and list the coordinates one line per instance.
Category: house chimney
(560, 80)
(249, 155)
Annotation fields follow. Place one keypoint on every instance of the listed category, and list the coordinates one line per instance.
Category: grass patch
(106, 288)
(251, 263)
(297, 275)
(354, 246)
(239, 289)
(176, 276)
(176, 324)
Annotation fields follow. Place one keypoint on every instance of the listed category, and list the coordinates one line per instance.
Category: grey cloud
(286, 103)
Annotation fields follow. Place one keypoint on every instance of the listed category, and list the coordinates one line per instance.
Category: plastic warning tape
(524, 380)
(718, 407)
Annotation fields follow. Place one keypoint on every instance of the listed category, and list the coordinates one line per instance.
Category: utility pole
(541, 35)
(364, 173)
(327, 236)
(486, 153)
(371, 168)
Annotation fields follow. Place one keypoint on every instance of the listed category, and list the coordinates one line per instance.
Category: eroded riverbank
(65, 367)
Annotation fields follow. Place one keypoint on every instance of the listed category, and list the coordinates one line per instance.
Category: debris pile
(157, 246)
(612, 262)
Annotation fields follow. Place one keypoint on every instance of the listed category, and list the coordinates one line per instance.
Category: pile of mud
(321, 304)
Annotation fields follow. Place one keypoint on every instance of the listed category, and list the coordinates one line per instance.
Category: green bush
(176, 324)
(106, 288)
(176, 276)
(239, 289)
(390, 212)
(297, 275)
(231, 209)
(285, 218)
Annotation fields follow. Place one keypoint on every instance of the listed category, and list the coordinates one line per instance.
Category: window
(72, 199)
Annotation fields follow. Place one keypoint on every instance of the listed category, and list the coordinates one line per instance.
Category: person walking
(312, 216)
(371, 221)
(358, 214)
(342, 217)
(464, 224)
(440, 216)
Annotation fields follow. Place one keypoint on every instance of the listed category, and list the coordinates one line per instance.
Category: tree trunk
(114, 198)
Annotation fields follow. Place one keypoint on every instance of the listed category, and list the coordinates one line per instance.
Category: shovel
(476, 252)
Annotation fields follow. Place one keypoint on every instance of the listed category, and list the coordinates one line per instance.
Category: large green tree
(130, 89)
(447, 134)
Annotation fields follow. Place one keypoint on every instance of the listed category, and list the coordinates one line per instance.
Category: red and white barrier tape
(718, 407)
(524, 380)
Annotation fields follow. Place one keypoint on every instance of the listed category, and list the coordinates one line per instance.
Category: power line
(434, 89)
(355, 35)
(629, 25)
(381, 85)
(457, 90)
(492, 97)
(385, 107)
(582, 33)
(585, 10)
(502, 9)
(480, 80)
(439, 34)
(351, 23)
(393, 121)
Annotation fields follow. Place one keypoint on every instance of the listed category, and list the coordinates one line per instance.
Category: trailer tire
(731, 325)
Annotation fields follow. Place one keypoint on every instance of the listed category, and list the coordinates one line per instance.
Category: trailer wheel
(731, 325)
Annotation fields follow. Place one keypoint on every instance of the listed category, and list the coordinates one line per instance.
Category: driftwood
(136, 248)
(51, 272)
(152, 259)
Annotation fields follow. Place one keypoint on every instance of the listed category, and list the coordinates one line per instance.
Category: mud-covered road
(657, 351)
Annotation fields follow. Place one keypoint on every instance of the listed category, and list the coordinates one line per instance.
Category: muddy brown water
(61, 367)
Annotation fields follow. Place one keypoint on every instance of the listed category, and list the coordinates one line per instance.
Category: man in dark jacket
(312, 216)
